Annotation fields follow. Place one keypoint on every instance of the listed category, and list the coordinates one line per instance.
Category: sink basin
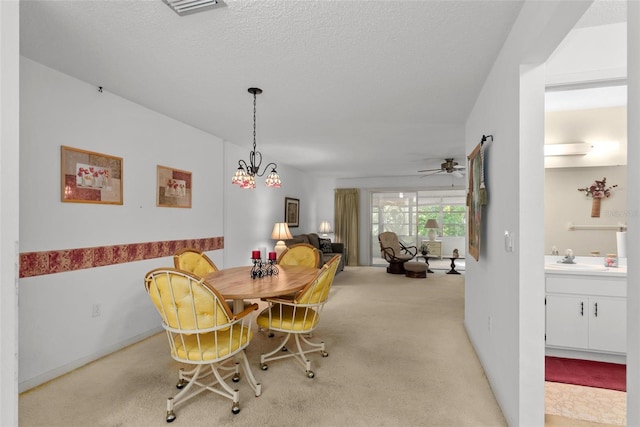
(575, 267)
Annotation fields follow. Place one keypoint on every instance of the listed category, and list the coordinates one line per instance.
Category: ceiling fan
(449, 166)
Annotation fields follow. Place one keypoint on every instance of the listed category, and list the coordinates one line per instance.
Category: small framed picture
(292, 211)
(173, 188)
(89, 177)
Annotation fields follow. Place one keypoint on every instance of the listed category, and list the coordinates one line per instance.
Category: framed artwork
(89, 177)
(475, 202)
(292, 211)
(173, 188)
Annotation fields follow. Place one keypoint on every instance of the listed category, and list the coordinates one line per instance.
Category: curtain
(347, 219)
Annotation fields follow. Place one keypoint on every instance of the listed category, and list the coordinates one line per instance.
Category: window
(405, 213)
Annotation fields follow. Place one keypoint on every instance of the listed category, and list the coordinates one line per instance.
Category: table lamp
(325, 228)
(432, 225)
(280, 232)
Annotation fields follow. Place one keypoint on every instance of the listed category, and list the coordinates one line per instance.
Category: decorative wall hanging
(597, 191)
(174, 188)
(476, 197)
(292, 212)
(89, 177)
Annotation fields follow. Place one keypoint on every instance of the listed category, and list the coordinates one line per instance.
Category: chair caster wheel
(270, 335)
(310, 374)
(264, 366)
(324, 354)
(235, 409)
(171, 416)
(284, 348)
(235, 378)
(180, 385)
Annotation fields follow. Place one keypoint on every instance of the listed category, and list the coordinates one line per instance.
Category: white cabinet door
(607, 324)
(567, 323)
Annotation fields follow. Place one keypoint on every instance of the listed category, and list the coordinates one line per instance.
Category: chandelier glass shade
(246, 173)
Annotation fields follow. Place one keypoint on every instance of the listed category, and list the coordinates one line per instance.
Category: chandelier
(246, 173)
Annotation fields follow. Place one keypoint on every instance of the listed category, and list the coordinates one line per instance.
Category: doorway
(594, 114)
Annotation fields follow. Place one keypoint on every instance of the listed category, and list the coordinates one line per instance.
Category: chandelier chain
(254, 121)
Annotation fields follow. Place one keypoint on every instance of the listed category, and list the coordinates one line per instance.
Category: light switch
(508, 241)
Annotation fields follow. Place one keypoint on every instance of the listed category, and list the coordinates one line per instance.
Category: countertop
(584, 266)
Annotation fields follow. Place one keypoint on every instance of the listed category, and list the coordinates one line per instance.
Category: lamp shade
(325, 227)
(431, 223)
(281, 231)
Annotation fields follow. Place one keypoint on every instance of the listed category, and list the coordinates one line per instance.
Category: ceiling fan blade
(430, 170)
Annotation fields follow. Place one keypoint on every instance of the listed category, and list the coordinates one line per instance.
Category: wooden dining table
(237, 284)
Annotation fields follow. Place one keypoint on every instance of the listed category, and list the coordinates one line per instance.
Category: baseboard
(586, 355)
(65, 369)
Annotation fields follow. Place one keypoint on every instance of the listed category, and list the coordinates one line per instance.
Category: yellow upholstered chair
(202, 332)
(300, 254)
(298, 317)
(194, 262)
(395, 252)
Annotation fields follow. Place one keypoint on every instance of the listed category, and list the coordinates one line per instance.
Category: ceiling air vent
(187, 7)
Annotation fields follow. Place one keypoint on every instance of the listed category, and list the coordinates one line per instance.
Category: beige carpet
(399, 355)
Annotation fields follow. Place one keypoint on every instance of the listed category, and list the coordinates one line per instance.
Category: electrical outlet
(96, 310)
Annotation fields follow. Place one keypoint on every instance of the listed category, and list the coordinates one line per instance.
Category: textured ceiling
(351, 88)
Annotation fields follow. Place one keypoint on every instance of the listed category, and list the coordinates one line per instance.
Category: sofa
(326, 247)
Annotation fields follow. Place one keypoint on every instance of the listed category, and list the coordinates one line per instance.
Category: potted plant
(424, 249)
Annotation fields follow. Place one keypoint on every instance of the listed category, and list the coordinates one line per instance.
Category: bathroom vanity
(586, 310)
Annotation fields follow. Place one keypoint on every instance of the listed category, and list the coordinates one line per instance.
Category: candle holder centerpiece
(263, 268)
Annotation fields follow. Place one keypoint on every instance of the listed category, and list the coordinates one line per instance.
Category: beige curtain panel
(347, 219)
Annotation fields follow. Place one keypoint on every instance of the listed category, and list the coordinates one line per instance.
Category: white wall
(605, 128)
(57, 331)
(325, 202)
(563, 204)
(633, 206)
(9, 153)
(571, 63)
(504, 291)
(251, 214)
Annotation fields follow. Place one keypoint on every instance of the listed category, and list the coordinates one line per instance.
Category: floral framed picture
(292, 211)
(89, 177)
(173, 188)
